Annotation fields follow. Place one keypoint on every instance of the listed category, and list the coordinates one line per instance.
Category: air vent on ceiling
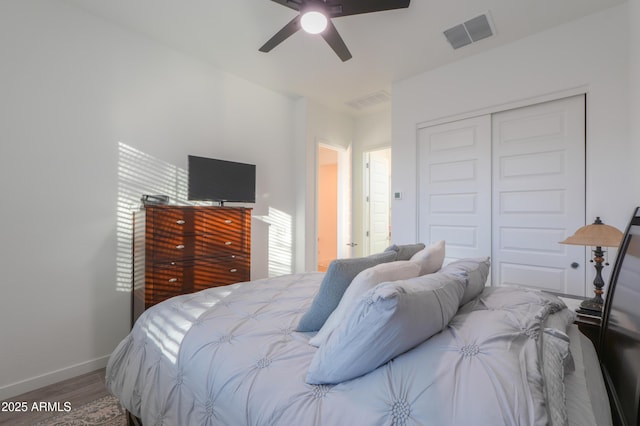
(370, 100)
(470, 31)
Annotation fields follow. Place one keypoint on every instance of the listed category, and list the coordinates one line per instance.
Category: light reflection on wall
(280, 242)
(140, 173)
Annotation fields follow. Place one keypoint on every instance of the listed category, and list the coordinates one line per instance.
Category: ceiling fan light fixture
(313, 21)
(315, 17)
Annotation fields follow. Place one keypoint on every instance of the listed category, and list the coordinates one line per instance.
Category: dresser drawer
(175, 221)
(223, 242)
(216, 221)
(221, 271)
(167, 280)
(182, 247)
(193, 221)
(171, 278)
(164, 248)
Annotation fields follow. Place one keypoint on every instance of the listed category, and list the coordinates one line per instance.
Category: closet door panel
(454, 186)
(539, 195)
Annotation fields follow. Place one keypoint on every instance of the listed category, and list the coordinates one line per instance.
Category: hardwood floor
(76, 392)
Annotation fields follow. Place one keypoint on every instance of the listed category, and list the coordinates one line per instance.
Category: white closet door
(539, 195)
(454, 186)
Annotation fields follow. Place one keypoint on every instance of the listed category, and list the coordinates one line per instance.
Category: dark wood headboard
(619, 343)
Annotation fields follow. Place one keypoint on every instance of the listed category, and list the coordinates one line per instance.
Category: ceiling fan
(315, 18)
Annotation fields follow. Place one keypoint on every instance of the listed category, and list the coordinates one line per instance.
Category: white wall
(72, 87)
(591, 53)
(372, 131)
(321, 125)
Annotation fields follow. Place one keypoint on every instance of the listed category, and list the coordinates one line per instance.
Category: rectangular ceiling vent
(370, 100)
(469, 32)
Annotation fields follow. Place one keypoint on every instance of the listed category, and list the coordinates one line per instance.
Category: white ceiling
(386, 46)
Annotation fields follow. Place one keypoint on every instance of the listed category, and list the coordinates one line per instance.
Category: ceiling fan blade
(287, 31)
(291, 4)
(356, 7)
(335, 41)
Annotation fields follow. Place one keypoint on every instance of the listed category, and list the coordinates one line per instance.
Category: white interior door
(378, 171)
(454, 186)
(539, 195)
(345, 203)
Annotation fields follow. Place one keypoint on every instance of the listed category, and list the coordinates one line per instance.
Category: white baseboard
(18, 388)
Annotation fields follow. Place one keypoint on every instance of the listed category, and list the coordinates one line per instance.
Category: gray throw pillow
(405, 251)
(477, 272)
(338, 277)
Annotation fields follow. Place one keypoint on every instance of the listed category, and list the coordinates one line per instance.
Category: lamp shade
(597, 234)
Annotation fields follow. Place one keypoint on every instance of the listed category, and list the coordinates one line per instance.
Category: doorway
(327, 206)
(377, 209)
(333, 204)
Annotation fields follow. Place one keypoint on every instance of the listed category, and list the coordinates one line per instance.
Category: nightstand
(589, 325)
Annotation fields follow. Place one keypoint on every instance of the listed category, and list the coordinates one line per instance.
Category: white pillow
(430, 258)
(386, 322)
(363, 282)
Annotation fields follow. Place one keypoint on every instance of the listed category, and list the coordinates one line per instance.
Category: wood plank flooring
(77, 391)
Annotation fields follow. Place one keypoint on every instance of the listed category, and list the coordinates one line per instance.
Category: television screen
(221, 180)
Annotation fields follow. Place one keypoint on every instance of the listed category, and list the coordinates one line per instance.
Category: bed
(404, 345)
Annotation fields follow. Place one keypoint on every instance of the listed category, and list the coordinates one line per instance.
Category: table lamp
(596, 235)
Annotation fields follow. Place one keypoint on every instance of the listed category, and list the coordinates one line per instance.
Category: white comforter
(230, 356)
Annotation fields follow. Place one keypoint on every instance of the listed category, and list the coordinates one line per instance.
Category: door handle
(575, 265)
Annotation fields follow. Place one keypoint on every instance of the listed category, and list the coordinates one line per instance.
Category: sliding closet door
(539, 195)
(454, 186)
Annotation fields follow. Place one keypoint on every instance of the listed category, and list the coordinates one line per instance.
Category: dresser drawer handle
(180, 222)
(228, 243)
(233, 270)
(228, 221)
(180, 246)
(173, 280)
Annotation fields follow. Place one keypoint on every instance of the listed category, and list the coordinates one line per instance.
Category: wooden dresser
(182, 249)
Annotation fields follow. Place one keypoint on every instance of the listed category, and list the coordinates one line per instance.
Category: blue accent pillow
(338, 277)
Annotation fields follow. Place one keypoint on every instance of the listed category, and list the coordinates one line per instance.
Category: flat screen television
(220, 180)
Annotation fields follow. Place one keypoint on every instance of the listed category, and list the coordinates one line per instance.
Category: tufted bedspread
(230, 356)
